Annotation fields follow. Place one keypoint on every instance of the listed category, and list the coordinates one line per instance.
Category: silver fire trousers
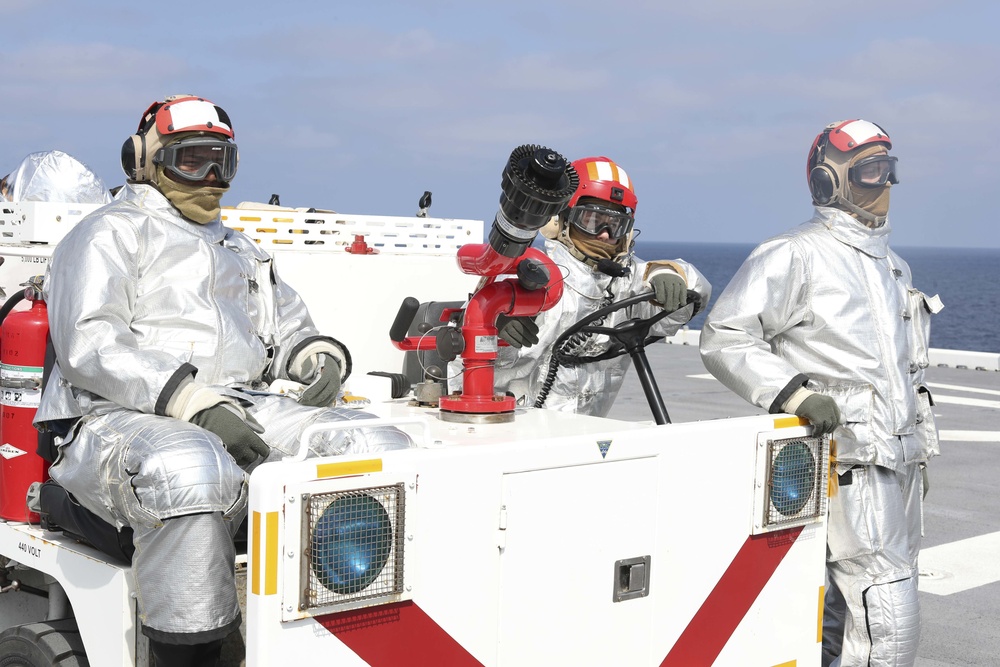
(872, 546)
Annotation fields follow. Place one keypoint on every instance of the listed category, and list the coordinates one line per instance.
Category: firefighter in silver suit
(823, 322)
(591, 243)
(168, 328)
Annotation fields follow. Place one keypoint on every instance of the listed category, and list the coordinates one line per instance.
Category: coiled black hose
(570, 346)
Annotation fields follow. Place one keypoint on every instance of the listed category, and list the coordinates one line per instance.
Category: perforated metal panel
(335, 232)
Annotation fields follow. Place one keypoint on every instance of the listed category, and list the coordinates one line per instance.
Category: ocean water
(966, 279)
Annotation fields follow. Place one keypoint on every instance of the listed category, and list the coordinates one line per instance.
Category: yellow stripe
(788, 422)
(271, 557)
(832, 481)
(349, 468)
(819, 623)
(255, 550)
(592, 171)
(614, 173)
(790, 663)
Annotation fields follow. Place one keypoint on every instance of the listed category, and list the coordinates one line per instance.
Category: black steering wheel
(625, 337)
(631, 336)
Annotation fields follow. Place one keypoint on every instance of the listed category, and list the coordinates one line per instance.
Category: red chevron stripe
(397, 634)
(707, 633)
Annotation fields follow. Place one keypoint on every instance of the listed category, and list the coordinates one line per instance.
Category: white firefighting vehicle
(542, 539)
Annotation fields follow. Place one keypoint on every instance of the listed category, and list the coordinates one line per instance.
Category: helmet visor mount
(874, 171)
(593, 219)
(194, 158)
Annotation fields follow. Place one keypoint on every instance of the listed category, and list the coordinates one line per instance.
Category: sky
(360, 107)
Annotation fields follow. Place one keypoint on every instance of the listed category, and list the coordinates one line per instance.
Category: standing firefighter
(823, 321)
(167, 328)
(591, 243)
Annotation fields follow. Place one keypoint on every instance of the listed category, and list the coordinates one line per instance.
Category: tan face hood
(869, 205)
(198, 203)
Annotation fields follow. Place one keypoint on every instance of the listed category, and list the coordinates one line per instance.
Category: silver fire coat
(588, 389)
(155, 298)
(830, 306)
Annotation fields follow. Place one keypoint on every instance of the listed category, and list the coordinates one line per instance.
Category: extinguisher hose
(8, 305)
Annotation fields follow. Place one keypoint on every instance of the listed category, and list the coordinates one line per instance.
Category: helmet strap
(868, 219)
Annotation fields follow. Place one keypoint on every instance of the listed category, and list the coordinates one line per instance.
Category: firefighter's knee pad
(893, 623)
(185, 470)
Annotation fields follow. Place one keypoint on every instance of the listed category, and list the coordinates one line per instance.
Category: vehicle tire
(45, 644)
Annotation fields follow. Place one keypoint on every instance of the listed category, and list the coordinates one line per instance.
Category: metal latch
(631, 578)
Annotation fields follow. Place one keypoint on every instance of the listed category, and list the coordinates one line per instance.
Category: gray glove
(239, 435)
(517, 331)
(821, 411)
(670, 290)
(323, 390)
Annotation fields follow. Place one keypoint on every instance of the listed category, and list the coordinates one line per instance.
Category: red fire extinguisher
(22, 359)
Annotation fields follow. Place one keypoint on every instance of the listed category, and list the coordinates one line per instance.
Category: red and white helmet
(604, 201)
(849, 167)
(845, 136)
(186, 113)
(602, 178)
(175, 119)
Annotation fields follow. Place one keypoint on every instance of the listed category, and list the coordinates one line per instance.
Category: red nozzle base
(474, 410)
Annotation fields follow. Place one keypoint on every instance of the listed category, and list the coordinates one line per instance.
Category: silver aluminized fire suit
(830, 306)
(54, 176)
(588, 389)
(139, 299)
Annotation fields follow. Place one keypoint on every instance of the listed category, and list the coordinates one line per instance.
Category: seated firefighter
(53, 176)
(167, 328)
(592, 243)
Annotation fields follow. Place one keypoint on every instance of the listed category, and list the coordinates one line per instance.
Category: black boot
(185, 655)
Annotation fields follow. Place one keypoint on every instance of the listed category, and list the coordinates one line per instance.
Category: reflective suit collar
(150, 199)
(846, 229)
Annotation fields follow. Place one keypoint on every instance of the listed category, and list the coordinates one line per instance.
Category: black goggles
(192, 159)
(593, 219)
(874, 171)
